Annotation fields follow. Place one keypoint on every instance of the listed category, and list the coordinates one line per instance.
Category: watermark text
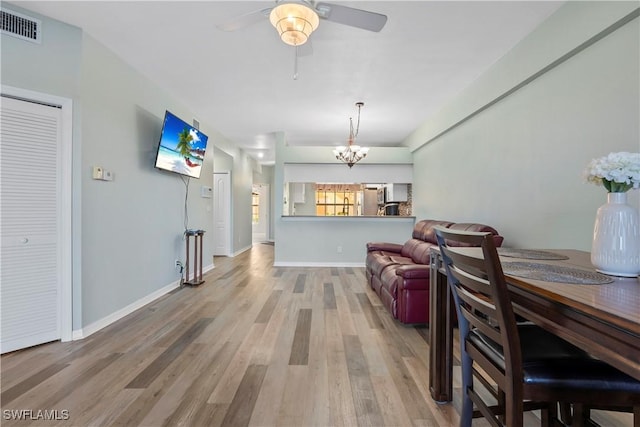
(35, 414)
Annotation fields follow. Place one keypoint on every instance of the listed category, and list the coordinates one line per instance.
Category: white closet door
(30, 275)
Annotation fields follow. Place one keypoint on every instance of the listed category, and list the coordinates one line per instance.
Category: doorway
(260, 218)
(222, 213)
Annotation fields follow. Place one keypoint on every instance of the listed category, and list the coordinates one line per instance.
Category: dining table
(561, 292)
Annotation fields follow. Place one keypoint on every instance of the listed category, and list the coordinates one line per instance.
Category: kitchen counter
(347, 217)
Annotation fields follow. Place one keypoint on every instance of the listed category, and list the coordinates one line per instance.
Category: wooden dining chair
(531, 368)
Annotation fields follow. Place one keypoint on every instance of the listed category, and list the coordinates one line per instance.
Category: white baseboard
(242, 250)
(318, 264)
(113, 317)
(79, 334)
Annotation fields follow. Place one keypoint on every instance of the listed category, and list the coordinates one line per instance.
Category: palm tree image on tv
(184, 143)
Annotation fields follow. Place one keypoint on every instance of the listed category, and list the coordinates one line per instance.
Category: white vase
(616, 238)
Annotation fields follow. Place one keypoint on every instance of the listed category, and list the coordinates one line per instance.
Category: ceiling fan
(295, 20)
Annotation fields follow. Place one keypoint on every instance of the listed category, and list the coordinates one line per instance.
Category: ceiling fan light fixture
(294, 22)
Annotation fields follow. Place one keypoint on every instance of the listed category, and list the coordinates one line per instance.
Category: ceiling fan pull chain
(295, 63)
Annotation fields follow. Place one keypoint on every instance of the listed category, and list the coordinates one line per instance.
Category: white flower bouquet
(617, 172)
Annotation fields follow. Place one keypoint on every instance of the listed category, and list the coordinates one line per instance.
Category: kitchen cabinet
(298, 193)
(397, 192)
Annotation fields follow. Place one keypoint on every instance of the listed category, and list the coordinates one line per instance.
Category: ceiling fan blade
(245, 20)
(353, 17)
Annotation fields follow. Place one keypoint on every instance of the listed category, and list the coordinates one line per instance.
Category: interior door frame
(65, 260)
(265, 207)
(226, 213)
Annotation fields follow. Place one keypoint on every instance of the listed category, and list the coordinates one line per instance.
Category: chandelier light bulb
(294, 22)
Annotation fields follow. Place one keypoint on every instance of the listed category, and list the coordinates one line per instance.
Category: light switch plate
(97, 172)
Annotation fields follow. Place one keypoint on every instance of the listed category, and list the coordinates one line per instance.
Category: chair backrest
(482, 301)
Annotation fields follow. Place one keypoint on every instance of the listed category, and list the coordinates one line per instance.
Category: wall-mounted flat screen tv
(182, 147)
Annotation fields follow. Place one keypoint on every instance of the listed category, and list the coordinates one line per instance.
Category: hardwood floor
(252, 346)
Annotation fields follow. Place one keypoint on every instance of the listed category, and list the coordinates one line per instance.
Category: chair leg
(636, 416)
(466, 416)
(565, 413)
(502, 403)
(549, 415)
(581, 414)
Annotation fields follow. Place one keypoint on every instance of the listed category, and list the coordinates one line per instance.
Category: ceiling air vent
(20, 26)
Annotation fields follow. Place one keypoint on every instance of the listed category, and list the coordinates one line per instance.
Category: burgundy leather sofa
(399, 274)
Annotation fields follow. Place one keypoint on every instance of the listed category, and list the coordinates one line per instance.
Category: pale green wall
(517, 164)
(126, 233)
(222, 162)
(132, 228)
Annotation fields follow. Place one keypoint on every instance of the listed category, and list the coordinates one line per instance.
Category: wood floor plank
(159, 364)
(232, 271)
(300, 282)
(204, 381)
(391, 405)
(19, 389)
(415, 402)
(264, 348)
(294, 396)
(317, 410)
(163, 398)
(341, 404)
(108, 411)
(13, 371)
(364, 398)
(269, 306)
(226, 388)
(329, 297)
(300, 346)
(270, 398)
(241, 407)
(210, 415)
(369, 311)
(86, 376)
(346, 315)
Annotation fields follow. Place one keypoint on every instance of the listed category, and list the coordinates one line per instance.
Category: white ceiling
(241, 82)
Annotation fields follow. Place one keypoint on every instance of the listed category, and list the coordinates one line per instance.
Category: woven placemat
(554, 273)
(530, 254)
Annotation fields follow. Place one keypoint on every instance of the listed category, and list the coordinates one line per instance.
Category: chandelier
(352, 154)
(294, 21)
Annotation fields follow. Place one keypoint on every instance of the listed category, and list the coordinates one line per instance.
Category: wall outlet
(179, 266)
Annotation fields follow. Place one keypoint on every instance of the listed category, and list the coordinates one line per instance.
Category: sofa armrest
(384, 246)
(413, 277)
(414, 271)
